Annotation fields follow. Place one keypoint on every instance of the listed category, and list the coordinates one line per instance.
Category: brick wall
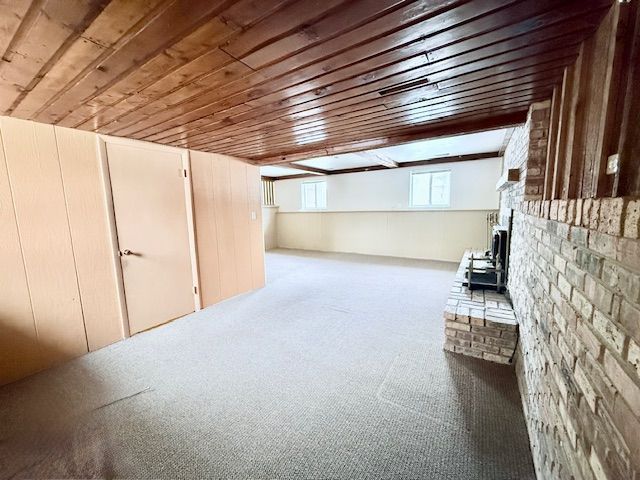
(515, 156)
(575, 287)
(526, 151)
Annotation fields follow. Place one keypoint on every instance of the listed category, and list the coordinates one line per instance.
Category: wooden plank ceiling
(281, 80)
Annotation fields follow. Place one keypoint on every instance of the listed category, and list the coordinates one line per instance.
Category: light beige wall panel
(224, 224)
(269, 227)
(420, 235)
(92, 245)
(19, 354)
(254, 187)
(434, 235)
(464, 230)
(149, 202)
(241, 227)
(300, 230)
(205, 225)
(364, 233)
(41, 214)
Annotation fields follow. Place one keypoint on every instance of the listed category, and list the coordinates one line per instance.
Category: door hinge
(184, 173)
(195, 289)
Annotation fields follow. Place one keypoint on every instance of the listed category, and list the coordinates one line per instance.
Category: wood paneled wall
(596, 113)
(19, 353)
(59, 273)
(226, 194)
(84, 189)
(58, 297)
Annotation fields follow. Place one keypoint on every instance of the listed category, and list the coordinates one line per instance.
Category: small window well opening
(314, 195)
(430, 189)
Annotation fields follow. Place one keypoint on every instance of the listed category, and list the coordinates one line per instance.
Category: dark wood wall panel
(595, 113)
(279, 78)
(629, 140)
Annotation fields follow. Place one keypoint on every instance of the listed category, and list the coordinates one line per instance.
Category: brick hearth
(479, 323)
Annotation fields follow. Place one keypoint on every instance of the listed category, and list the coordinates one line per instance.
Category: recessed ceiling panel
(490, 141)
(482, 142)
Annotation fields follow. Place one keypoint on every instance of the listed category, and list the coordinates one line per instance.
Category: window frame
(303, 206)
(430, 205)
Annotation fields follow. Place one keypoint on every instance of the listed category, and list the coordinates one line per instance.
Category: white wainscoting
(269, 226)
(427, 234)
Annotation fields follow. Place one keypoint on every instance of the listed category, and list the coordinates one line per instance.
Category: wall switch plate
(613, 164)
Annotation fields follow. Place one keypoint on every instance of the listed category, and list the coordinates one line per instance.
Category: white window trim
(430, 206)
(303, 208)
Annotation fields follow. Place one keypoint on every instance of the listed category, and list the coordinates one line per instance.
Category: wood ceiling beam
(301, 175)
(306, 168)
(451, 159)
(379, 158)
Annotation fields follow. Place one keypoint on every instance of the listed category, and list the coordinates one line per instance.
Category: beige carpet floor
(334, 370)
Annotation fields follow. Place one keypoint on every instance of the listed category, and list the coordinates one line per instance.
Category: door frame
(101, 147)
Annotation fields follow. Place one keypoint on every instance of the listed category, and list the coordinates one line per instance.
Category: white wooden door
(148, 189)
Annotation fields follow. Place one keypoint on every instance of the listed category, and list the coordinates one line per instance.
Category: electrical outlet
(613, 164)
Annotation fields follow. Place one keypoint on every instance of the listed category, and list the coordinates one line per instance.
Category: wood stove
(489, 271)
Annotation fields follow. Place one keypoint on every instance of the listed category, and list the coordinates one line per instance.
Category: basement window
(314, 195)
(430, 189)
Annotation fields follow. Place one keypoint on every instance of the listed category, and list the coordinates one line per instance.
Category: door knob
(125, 252)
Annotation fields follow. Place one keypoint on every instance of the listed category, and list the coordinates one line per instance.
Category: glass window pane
(420, 189)
(314, 195)
(440, 188)
(321, 195)
(308, 195)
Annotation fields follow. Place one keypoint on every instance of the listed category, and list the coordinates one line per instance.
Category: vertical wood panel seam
(614, 78)
(73, 251)
(233, 227)
(24, 263)
(101, 148)
(215, 225)
(191, 226)
(249, 217)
